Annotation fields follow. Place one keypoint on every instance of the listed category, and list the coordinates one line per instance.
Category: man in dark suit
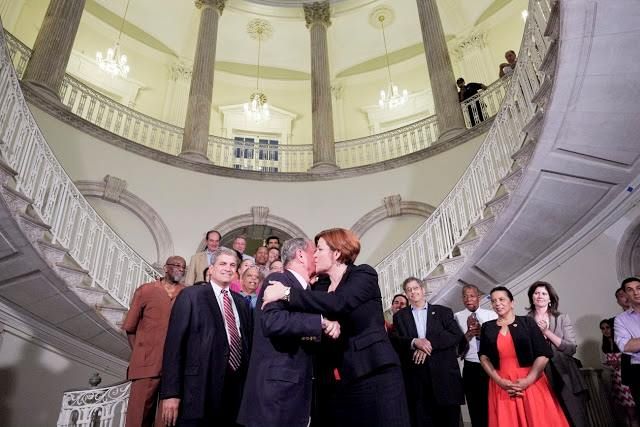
(207, 350)
(426, 337)
(278, 387)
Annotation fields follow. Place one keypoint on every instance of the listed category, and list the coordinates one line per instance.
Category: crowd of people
(297, 336)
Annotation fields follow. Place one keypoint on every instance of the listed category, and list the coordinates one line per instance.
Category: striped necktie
(235, 346)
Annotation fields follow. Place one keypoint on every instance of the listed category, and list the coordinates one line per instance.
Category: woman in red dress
(514, 353)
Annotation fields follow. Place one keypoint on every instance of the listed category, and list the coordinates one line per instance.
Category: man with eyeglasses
(146, 326)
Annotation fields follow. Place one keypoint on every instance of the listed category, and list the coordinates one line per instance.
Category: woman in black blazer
(370, 390)
(514, 353)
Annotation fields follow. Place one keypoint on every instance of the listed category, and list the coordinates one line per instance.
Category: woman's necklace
(506, 321)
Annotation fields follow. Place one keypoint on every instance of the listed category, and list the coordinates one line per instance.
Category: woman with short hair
(369, 390)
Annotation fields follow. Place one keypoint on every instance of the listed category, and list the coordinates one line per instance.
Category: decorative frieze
(179, 71)
(114, 187)
(393, 205)
(260, 214)
(317, 12)
(215, 4)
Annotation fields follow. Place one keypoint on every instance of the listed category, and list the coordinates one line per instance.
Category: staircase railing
(435, 239)
(104, 407)
(112, 264)
(127, 123)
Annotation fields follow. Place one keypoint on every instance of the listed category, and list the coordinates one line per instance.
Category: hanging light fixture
(115, 63)
(391, 97)
(257, 109)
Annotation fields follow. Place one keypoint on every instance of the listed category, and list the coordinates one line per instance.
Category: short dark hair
(460, 80)
(470, 286)
(400, 296)
(410, 279)
(206, 236)
(628, 280)
(273, 237)
(503, 289)
(620, 289)
(554, 299)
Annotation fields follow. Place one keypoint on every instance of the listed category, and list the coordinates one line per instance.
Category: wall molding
(392, 206)
(113, 189)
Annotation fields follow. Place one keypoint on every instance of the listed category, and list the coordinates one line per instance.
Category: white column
(177, 97)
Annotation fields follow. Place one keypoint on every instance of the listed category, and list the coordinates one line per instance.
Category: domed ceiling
(355, 45)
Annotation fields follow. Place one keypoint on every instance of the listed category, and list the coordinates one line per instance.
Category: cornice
(60, 112)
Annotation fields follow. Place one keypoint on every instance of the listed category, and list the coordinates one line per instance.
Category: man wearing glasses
(146, 327)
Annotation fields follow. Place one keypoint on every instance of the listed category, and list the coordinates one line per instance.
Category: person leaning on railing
(507, 68)
(467, 90)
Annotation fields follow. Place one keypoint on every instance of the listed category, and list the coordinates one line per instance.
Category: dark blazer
(196, 352)
(357, 305)
(441, 367)
(527, 339)
(278, 388)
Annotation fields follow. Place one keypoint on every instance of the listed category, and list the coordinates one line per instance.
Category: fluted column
(196, 126)
(443, 81)
(52, 48)
(317, 16)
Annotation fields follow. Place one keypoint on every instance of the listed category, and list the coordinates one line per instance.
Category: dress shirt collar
(300, 279)
(414, 308)
(217, 289)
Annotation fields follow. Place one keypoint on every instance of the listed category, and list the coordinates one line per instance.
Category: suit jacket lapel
(432, 324)
(293, 281)
(410, 322)
(212, 302)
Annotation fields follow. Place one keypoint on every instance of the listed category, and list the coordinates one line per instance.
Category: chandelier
(391, 97)
(257, 109)
(115, 63)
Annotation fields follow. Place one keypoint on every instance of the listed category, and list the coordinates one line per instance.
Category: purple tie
(235, 346)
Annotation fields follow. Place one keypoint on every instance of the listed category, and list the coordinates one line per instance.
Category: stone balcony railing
(435, 240)
(104, 112)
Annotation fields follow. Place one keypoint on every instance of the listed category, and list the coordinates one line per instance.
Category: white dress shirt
(483, 315)
(303, 282)
(217, 289)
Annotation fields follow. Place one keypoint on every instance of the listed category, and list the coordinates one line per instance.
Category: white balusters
(105, 407)
(465, 204)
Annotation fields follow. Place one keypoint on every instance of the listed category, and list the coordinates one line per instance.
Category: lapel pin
(433, 313)
(515, 325)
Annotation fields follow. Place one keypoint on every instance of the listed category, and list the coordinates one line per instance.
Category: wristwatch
(287, 294)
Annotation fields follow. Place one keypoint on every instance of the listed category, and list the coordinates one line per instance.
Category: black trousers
(476, 390)
(423, 409)
(631, 376)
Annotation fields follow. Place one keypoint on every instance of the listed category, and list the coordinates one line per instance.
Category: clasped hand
(514, 388)
(331, 328)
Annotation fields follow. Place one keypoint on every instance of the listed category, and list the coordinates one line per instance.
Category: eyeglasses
(178, 266)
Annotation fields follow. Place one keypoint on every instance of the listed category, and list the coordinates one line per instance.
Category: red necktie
(235, 346)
